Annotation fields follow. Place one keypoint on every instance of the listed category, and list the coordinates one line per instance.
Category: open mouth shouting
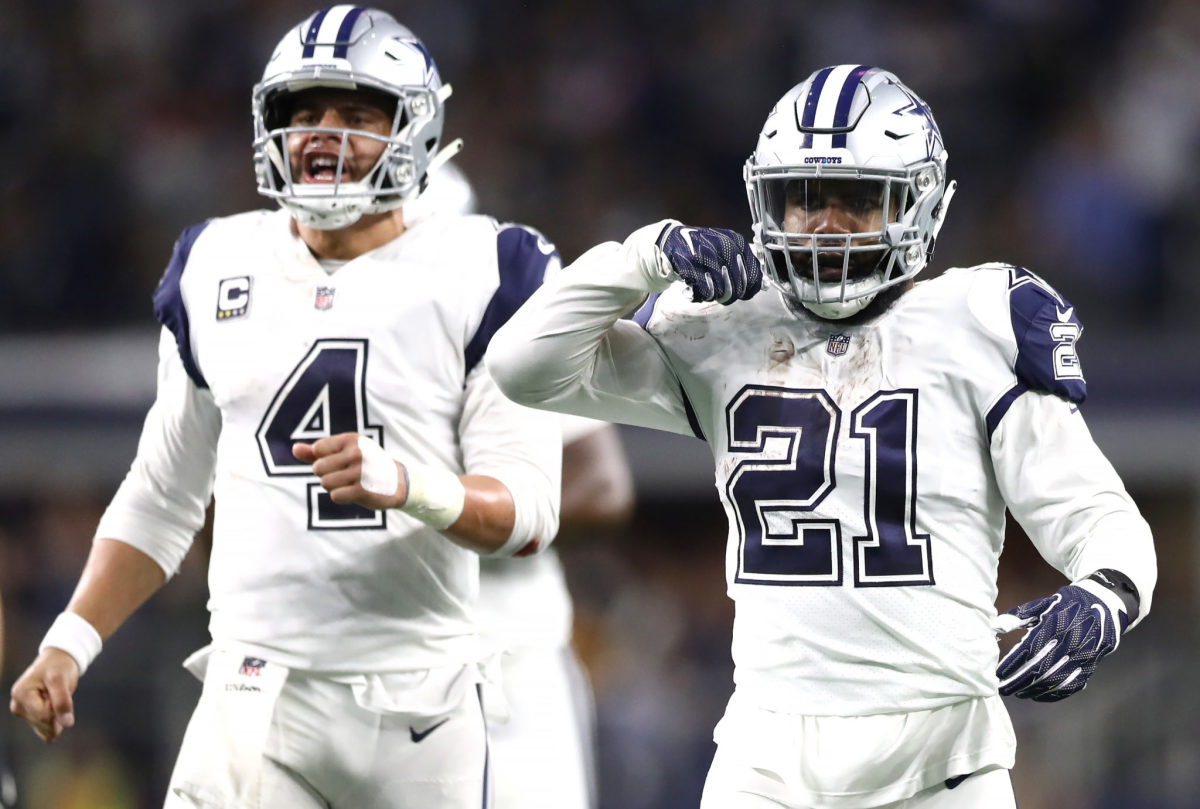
(321, 166)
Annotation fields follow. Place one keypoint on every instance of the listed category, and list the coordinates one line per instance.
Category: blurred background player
(543, 750)
(868, 434)
(320, 372)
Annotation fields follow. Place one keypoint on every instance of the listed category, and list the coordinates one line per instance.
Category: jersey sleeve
(522, 448)
(1038, 331)
(568, 349)
(160, 505)
(169, 306)
(1046, 329)
(524, 259)
(1067, 496)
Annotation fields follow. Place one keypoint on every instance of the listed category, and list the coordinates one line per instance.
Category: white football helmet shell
(354, 48)
(849, 122)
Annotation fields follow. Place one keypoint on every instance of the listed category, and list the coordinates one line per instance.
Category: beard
(830, 263)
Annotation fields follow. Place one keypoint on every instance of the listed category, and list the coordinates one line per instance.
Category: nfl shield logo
(251, 667)
(838, 344)
(324, 299)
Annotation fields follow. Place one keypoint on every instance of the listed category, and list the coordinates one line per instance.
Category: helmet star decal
(419, 47)
(917, 107)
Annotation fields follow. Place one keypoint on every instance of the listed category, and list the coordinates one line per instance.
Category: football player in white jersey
(542, 745)
(321, 373)
(868, 434)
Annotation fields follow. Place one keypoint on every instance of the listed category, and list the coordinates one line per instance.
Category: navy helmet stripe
(810, 105)
(313, 29)
(841, 116)
(343, 34)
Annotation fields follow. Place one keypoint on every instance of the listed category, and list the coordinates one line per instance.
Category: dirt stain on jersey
(779, 357)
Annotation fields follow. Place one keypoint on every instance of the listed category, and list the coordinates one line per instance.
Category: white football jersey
(864, 469)
(262, 348)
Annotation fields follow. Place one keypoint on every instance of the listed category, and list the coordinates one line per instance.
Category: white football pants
(313, 747)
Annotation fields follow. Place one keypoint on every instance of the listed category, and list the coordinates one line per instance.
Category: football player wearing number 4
(320, 372)
(868, 434)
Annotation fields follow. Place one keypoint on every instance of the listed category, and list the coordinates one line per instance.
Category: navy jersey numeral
(892, 552)
(324, 395)
(791, 436)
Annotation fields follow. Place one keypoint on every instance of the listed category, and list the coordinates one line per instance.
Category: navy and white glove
(1066, 636)
(716, 264)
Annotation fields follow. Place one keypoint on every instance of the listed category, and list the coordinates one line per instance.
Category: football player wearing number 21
(321, 373)
(868, 433)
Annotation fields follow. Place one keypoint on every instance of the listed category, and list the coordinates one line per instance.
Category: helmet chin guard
(351, 48)
(861, 128)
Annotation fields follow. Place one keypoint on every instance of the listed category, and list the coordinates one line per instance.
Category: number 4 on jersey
(324, 395)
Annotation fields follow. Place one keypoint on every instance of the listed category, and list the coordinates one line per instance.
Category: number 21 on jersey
(790, 436)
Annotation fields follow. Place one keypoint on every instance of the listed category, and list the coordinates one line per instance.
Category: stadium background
(1073, 129)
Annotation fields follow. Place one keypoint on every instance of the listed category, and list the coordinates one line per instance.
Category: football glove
(1066, 636)
(716, 264)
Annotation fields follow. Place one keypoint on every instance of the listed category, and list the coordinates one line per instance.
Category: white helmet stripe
(329, 31)
(827, 106)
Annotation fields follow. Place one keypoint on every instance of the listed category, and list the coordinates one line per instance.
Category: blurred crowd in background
(1073, 128)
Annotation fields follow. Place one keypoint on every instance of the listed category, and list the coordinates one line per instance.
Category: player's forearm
(488, 516)
(116, 580)
(597, 486)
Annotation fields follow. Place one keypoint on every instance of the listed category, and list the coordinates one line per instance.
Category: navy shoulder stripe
(168, 301)
(522, 256)
(1001, 407)
(1047, 330)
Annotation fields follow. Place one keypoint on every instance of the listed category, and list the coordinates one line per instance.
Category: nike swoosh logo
(1102, 613)
(686, 233)
(418, 736)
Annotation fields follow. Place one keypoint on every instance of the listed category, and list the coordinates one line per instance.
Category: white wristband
(436, 497)
(74, 635)
(379, 473)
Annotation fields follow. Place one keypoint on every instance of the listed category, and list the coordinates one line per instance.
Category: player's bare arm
(116, 580)
(597, 487)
